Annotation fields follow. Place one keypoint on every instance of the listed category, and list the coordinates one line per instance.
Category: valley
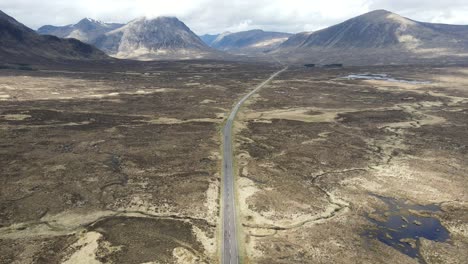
(111, 167)
(139, 141)
(319, 156)
(315, 157)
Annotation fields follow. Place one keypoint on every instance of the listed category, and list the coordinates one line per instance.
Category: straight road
(230, 248)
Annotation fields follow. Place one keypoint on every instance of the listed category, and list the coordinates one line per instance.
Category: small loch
(381, 77)
(400, 225)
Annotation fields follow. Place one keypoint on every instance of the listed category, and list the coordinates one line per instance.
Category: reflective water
(401, 225)
(380, 77)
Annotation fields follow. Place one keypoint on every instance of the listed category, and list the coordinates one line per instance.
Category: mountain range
(377, 37)
(19, 43)
(164, 38)
(87, 30)
(140, 39)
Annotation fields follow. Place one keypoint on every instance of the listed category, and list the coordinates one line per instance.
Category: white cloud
(214, 16)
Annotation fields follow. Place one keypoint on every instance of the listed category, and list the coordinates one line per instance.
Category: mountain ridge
(209, 38)
(18, 42)
(86, 30)
(389, 37)
(251, 41)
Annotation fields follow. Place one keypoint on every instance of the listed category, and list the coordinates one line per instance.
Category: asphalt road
(230, 248)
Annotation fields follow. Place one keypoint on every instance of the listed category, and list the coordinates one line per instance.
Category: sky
(217, 16)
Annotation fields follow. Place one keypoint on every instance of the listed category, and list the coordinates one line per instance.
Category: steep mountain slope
(208, 39)
(249, 41)
(20, 43)
(87, 30)
(378, 37)
(148, 39)
(296, 40)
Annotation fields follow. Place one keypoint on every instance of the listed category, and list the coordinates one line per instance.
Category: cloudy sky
(214, 16)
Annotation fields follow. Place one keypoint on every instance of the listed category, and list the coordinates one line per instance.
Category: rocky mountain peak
(89, 21)
(89, 24)
(86, 30)
(151, 37)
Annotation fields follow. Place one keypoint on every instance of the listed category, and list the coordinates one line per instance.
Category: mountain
(208, 39)
(378, 37)
(296, 40)
(19, 43)
(149, 39)
(87, 30)
(252, 41)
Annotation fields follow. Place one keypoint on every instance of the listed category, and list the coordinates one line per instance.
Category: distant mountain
(252, 41)
(378, 37)
(19, 43)
(149, 39)
(208, 39)
(87, 30)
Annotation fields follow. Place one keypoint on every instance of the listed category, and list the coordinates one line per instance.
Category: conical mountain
(147, 39)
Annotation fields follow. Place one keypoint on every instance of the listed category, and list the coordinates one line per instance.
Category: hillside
(209, 39)
(252, 41)
(378, 37)
(87, 30)
(148, 39)
(19, 43)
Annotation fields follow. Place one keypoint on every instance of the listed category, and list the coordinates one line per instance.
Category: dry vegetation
(317, 152)
(114, 165)
(121, 163)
